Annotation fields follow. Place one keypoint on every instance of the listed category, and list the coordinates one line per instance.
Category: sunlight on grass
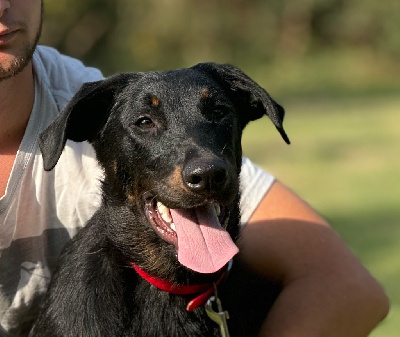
(344, 159)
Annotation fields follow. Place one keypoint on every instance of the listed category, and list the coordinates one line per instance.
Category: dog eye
(220, 111)
(145, 123)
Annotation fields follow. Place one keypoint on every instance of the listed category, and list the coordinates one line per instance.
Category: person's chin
(12, 63)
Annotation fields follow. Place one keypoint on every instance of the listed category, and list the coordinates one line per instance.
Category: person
(326, 291)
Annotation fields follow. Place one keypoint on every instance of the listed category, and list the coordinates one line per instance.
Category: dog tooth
(164, 212)
(217, 209)
(160, 206)
(172, 225)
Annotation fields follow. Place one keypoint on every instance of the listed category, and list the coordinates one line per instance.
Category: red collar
(204, 290)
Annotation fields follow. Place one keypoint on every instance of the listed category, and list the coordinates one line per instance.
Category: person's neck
(17, 95)
(16, 101)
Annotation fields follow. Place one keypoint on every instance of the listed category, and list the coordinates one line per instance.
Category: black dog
(170, 146)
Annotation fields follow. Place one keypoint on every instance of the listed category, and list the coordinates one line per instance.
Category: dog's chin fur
(171, 137)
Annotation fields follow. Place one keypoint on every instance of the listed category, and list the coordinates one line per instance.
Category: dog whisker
(96, 251)
(223, 149)
(150, 192)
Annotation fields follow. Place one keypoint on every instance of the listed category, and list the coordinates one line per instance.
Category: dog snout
(204, 176)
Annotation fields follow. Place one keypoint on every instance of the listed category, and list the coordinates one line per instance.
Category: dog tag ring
(219, 317)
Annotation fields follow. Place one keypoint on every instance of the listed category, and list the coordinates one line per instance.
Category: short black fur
(174, 136)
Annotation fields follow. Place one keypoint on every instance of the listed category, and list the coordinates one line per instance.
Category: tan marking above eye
(205, 93)
(155, 101)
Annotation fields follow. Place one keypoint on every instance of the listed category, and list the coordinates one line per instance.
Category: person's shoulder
(63, 75)
(254, 184)
(252, 172)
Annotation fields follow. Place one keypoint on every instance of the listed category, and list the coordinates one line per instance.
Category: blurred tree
(121, 35)
(78, 28)
(295, 29)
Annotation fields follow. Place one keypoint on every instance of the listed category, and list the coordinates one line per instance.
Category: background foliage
(334, 65)
(354, 42)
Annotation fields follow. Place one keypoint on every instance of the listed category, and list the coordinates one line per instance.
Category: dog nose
(205, 176)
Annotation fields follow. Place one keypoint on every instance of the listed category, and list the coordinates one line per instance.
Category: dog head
(170, 146)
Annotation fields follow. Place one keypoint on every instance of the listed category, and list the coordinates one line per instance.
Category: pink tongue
(203, 245)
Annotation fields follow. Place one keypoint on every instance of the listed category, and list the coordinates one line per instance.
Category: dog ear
(253, 101)
(82, 118)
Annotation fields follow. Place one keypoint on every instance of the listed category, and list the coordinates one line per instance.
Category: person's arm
(326, 290)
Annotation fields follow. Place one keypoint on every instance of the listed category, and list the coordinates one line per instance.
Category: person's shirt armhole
(254, 183)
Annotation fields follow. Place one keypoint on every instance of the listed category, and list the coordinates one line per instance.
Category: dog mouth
(160, 218)
(198, 234)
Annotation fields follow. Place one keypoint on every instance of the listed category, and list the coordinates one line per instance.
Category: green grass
(345, 160)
